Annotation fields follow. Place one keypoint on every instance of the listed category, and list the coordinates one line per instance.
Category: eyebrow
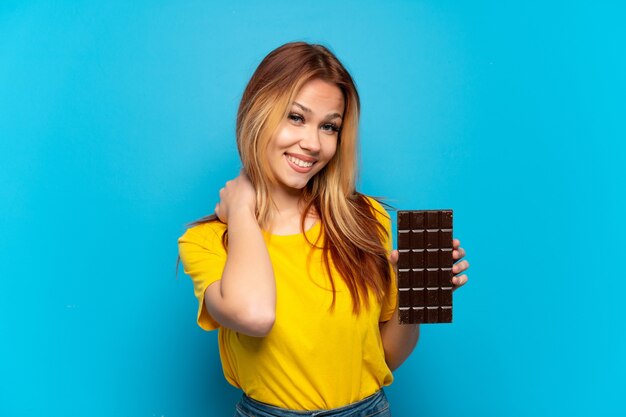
(307, 110)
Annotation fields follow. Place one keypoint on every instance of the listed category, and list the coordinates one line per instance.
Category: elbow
(251, 317)
(261, 324)
(393, 362)
(257, 322)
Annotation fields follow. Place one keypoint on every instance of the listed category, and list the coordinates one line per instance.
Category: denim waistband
(374, 403)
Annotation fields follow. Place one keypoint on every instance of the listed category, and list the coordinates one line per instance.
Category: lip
(297, 168)
(304, 158)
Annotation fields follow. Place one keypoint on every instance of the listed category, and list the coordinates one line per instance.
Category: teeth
(299, 162)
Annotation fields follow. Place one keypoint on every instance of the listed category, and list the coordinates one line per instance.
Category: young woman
(295, 268)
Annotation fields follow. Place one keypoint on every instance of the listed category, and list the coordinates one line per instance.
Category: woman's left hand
(459, 279)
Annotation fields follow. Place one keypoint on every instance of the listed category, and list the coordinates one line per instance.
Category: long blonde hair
(353, 237)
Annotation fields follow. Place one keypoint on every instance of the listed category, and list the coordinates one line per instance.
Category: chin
(298, 186)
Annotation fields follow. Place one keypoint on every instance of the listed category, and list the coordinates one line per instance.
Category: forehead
(321, 96)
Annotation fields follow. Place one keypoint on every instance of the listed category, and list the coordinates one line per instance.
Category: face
(307, 139)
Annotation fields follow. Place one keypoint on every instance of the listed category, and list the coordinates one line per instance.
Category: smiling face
(306, 140)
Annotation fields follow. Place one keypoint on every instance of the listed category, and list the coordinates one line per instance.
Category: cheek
(281, 138)
(331, 149)
(328, 153)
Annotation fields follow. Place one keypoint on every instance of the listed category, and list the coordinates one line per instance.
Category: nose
(310, 140)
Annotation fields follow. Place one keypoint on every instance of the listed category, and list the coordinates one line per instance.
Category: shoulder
(380, 217)
(377, 209)
(204, 234)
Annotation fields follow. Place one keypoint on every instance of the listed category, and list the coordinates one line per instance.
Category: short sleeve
(203, 257)
(390, 302)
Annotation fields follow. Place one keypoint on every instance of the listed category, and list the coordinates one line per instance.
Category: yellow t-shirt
(312, 358)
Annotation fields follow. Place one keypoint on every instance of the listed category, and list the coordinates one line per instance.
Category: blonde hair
(353, 237)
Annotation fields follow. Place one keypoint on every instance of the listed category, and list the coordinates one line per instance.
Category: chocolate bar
(425, 266)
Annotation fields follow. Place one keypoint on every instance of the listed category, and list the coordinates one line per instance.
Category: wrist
(241, 214)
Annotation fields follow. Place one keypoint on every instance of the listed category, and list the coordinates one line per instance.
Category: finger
(458, 254)
(460, 267)
(459, 280)
(456, 243)
(393, 257)
(217, 212)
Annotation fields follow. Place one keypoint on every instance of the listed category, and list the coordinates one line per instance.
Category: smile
(299, 162)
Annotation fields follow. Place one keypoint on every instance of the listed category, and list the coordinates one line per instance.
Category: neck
(286, 201)
(287, 211)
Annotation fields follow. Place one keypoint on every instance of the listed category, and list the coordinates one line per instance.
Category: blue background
(117, 128)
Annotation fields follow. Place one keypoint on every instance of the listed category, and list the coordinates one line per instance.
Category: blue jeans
(374, 405)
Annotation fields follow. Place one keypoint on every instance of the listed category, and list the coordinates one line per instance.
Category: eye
(331, 127)
(295, 117)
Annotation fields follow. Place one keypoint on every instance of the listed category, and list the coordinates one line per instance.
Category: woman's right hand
(237, 195)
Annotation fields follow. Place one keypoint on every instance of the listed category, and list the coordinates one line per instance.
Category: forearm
(248, 277)
(399, 340)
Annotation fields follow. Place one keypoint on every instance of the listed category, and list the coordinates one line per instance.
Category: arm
(399, 340)
(244, 299)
